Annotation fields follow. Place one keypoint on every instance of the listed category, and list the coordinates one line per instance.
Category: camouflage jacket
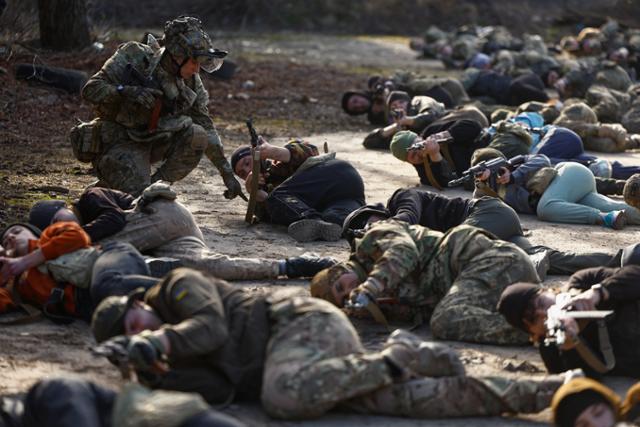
(416, 265)
(184, 102)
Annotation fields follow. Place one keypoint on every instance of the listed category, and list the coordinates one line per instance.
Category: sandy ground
(31, 352)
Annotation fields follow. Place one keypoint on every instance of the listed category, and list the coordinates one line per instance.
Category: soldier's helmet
(631, 191)
(185, 38)
(108, 319)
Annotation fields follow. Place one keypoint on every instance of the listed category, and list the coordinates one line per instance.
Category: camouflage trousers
(482, 269)
(125, 164)
(315, 362)
(169, 230)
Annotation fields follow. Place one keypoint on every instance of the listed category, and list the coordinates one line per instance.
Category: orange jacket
(35, 288)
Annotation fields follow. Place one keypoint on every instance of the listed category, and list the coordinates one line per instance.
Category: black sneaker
(308, 230)
(307, 265)
(160, 267)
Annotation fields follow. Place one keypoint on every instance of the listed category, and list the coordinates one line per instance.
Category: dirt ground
(298, 82)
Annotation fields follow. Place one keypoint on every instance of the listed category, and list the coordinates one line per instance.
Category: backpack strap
(53, 309)
(30, 313)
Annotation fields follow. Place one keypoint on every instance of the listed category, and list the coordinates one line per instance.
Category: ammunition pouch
(86, 140)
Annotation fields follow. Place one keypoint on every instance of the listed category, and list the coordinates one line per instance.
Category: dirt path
(28, 353)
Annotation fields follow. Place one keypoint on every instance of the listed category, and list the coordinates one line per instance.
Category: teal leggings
(572, 198)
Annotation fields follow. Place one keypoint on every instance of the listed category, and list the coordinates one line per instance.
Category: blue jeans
(572, 198)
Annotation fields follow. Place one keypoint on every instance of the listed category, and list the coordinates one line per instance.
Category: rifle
(255, 173)
(132, 75)
(119, 356)
(558, 311)
(417, 146)
(493, 165)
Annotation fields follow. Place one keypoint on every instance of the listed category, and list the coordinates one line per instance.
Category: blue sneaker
(615, 219)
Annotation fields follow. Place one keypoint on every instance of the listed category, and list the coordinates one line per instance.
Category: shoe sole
(308, 230)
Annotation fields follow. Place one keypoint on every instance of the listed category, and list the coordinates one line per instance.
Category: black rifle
(134, 77)
(255, 173)
(417, 146)
(493, 165)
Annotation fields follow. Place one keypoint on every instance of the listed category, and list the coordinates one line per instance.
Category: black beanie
(345, 101)
(238, 154)
(514, 301)
(396, 95)
(572, 406)
(357, 219)
(35, 230)
(43, 211)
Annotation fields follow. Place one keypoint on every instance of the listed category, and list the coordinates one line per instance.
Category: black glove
(144, 96)
(115, 349)
(145, 351)
(234, 188)
(307, 265)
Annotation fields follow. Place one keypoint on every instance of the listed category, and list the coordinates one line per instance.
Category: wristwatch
(600, 290)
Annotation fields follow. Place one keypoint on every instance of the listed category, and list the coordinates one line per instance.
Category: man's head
(190, 47)
(355, 103)
(485, 154)
(400, 144)
(398, 100)
(583, 402)
(241, 161)
(524, 306)
(334, 284)
(123, 315)
(42, 213)
(15, 238)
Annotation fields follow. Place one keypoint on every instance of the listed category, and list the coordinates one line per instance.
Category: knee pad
(199, 138)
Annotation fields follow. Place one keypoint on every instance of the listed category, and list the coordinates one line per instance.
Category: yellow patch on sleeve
(181, 295)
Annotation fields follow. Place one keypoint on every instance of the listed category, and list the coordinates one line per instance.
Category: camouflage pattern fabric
(460, 274)
(315, 362)
(128, 146)
(460, 396)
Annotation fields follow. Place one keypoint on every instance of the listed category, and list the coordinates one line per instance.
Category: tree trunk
(63, 24)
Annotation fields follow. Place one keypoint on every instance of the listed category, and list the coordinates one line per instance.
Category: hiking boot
(414, 356)
(307, 265)
(614, 219)
(308, 230)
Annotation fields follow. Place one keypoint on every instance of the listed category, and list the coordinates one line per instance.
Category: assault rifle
(255, 173)
(119, 356)
(417, 146)
(493, 165)
(557, 312)
(134, 77)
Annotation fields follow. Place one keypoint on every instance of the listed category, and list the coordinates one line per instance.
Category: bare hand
(484, 175)
(11, 267)
(571, 330)
(249, 179)
(584, 301)
(431, 146)
(504, 177)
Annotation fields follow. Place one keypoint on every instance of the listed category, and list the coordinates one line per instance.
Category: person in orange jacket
(115, 269)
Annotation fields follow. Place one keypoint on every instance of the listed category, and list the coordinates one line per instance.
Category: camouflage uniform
(459, 274)
(128, 148)
(301, 357)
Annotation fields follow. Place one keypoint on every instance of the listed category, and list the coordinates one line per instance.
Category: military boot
(308, 230)
(414, 356)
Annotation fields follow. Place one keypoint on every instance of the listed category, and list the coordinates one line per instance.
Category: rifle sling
(377, 314)
(444, 148)
(592, 359)
(429, 173)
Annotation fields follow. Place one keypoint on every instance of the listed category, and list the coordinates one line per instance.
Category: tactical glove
(141, 95)
(234, 188)
(115, 349)
(145, 351)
